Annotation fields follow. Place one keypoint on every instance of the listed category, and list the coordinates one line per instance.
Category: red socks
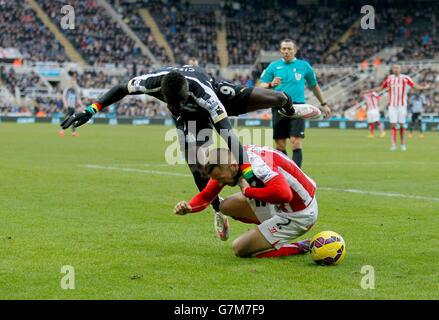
(286, 250)
(380, 125)
(402, 134)
(371, 127)
(394, 137)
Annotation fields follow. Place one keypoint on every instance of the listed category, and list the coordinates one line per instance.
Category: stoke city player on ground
(284, 209)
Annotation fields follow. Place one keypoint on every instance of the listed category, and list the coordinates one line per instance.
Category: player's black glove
(77, 119)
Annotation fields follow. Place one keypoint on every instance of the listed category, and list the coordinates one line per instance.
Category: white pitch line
(137, 170)
(359, 163)
(375, 193)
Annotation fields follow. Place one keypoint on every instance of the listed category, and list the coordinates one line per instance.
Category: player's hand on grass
(77, 119)
(182, 208)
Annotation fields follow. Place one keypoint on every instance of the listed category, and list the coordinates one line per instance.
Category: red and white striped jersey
(372, 100)
(268, 163)
(283, 180)
(397, 89)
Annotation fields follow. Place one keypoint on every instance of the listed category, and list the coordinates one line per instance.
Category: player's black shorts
(284, 127)
(234, 97)
(416, 116)
(70, 111)
(194, 129)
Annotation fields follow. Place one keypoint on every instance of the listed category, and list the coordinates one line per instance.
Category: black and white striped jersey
(202, 90)
(71, 95)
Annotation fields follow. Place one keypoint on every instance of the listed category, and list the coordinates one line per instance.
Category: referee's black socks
(297, 157)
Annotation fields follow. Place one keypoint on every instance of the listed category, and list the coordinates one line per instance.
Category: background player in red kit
(397, 84)
(284, 209)
(372, 100)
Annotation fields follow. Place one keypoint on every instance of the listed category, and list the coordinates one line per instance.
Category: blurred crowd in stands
(96, 35)
(21, 82)
(191, 31)
(413, 27)
(250, 26)
(130, 14)
(313, 29)
(21, 28)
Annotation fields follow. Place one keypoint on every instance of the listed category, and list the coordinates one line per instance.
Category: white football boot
(303, 111)
(222, 227)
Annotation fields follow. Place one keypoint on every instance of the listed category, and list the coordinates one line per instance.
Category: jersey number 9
(227, 91)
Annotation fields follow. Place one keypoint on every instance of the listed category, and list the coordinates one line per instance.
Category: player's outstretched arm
(418, 87)
(201, 201)
(111, 96)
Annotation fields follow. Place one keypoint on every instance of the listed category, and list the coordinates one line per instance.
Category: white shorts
(373, 116)
(280, 227)
(397, 114)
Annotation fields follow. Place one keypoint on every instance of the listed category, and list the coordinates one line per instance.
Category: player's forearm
(113, 95)
(202, 200)
(376, 89)
(418, 87)
(276, 192)
(318, 93)
(224, 128)
(226, 132)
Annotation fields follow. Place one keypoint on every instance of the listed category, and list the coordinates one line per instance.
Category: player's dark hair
(220, 157)
(174, 86)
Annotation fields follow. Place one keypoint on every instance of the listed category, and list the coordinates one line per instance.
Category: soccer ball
(327, 247)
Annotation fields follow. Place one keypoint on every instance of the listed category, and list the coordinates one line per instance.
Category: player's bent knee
(238, 248)
(296, 143)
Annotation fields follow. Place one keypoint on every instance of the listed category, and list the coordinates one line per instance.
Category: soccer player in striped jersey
(398, 85)
(417, 103)
(372, 100)
(71, 96)
(284, 209)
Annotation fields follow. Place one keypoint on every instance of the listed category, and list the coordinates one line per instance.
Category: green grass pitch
(116, 228)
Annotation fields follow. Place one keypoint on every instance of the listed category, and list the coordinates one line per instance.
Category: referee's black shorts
(416, 116)
(284, 127)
